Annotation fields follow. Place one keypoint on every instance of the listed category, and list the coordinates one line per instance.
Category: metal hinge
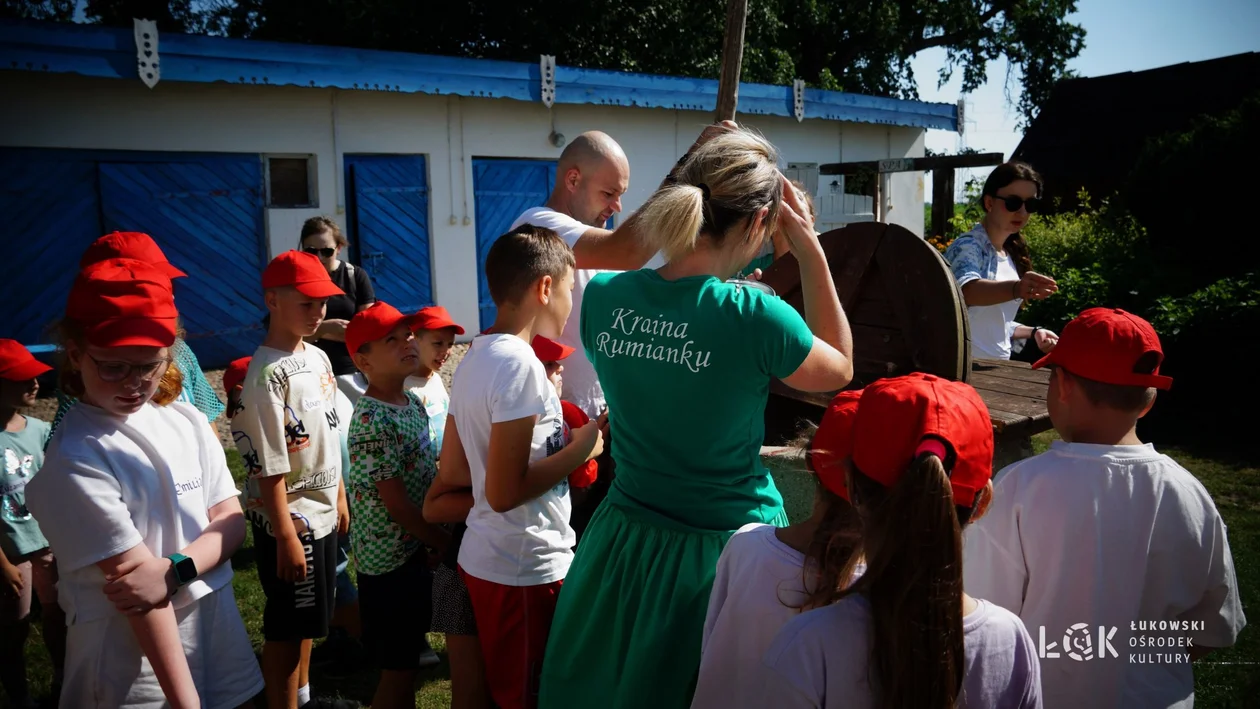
(147, 64)
(547, 70)
(798, 99)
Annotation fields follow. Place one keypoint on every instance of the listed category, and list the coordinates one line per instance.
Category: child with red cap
(288, 435)
(1102, 531)
(342, 646)
(905, 634)
(766, 575)
(25, 560)
(435, 335)
(551, 354)
(392, 463)
(135, 245)
(505, 440)
(136, 497)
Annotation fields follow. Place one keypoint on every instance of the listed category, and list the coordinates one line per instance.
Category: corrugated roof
(109, 52)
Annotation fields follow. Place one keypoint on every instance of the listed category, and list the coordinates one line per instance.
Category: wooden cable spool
(904, 308)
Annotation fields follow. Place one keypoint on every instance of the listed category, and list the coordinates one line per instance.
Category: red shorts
(512, 623)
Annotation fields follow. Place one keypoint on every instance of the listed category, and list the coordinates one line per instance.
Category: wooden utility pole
(732, 59)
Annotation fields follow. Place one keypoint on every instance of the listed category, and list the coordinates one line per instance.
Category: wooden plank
(984, 382)
(732, 59)
(1013, 364)
(942, 199)
(912, 164)
(1013, 404)
(1014, 375)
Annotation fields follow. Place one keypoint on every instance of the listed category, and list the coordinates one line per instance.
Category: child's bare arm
(290, 556)
(157, 634)
(410, 515)
(450, 496)
(510, 478)
(143, 583)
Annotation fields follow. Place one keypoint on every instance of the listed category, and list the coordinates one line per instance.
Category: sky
(1120, 36)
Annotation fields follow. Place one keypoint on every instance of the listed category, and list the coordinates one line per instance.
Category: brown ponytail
(831, 558)
(912, 545)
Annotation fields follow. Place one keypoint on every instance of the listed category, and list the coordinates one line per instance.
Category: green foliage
(861, 46)
(56, 10)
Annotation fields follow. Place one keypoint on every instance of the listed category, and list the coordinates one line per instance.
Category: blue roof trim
(109, 52)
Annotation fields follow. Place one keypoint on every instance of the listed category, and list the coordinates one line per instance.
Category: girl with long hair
(993, 265)
(905, 635)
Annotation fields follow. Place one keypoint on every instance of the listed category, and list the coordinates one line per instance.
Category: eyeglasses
(118, 371)
(1013, 203)
(324, 253)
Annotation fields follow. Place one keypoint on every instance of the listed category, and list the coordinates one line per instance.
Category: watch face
(185, 570)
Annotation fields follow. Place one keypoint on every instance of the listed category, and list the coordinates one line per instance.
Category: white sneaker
(428, 658)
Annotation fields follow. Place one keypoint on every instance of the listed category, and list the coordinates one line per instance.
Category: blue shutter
(51, 214)
(503, 190)
(207, 215)
(388, 203)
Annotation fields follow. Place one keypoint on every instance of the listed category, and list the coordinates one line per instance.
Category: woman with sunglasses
(993, 266)
(322, 237)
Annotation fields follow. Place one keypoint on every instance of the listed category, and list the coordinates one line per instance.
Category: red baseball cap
(234, 375)
(369, 325)
(1105, 344)
(129, 244)
(549, 350)
(17, 364)
(902, 417)
(302, 271)
(124, 302)
(434, 317)
(833, 442)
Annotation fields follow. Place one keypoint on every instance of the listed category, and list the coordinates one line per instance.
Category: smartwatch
(185, 569)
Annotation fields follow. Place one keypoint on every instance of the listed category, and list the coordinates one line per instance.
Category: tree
(57, 10)
(863, 46)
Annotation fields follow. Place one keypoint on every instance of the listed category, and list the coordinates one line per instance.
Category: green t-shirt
(686, 368)
(763, 262)
(23, 457)
(386, 441)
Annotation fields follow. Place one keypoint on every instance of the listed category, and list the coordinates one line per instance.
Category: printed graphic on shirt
(295, 436)
(386, 442)
(556, 442)
(249, 456)
(649, 336)
(17, 471)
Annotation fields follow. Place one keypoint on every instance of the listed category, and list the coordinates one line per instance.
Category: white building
(424, 160)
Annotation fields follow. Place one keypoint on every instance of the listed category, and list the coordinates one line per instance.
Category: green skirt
(631, 613)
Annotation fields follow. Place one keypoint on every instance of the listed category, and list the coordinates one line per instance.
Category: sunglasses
(118, 371)
(324, 253)
(1013, 203)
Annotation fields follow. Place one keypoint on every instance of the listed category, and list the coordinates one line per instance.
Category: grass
(1228, 678)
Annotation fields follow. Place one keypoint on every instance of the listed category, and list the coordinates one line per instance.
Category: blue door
(387, 200)
(51, 213)
(204, 210)
(503, 190)
(207, 215)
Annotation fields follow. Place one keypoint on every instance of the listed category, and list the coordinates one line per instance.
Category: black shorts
(302, 610)
(395, 609)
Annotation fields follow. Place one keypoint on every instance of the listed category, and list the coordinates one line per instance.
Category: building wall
(63, 111)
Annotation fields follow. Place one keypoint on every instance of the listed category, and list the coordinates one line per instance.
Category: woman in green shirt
(686, 360)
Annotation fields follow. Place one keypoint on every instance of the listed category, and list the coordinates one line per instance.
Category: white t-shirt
(822, 658)
(500, 379)
(992, 325)
(759, 587)
(110, 483)
(436, 401)
(289, 426)
(581, 386)
(1108, 536)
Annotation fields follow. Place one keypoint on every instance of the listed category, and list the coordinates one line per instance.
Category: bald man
(592, 175)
